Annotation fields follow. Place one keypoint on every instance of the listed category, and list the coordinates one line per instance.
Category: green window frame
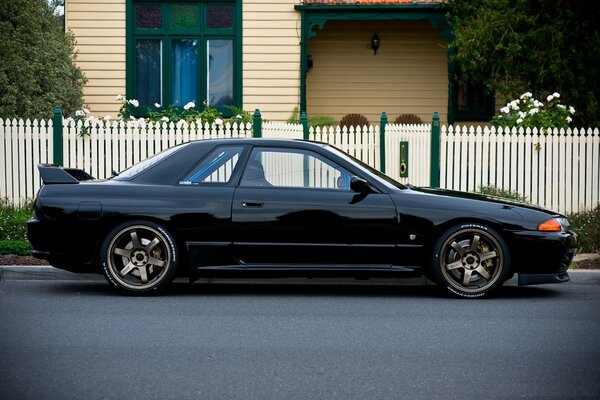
(192, 48)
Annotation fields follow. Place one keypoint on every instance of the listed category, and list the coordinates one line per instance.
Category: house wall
(271, 57)
(99, 28)
(271, 54)
(409, 74)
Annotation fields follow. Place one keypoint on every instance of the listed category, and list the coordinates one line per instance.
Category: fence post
(434, 180)
(382, 124)
(304, 122)
(57, 130)
(257, 124)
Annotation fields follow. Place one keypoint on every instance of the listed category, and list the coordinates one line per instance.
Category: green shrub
(313, 121)
(499, 192)
(15, 247)
(13, 219)
(586, 225)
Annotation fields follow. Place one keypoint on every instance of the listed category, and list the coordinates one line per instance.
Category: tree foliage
(37, 68)
(538, 46)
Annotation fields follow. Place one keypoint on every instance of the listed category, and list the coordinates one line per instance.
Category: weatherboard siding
(408, 75)
(99, 29)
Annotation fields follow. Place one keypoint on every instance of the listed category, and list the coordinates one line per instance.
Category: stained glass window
(184, 16)
(148, 17)
(219, 16)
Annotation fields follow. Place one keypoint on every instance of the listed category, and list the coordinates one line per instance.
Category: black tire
(470, 260)
(139, 257)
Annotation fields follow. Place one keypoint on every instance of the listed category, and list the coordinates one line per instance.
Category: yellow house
(324, 57)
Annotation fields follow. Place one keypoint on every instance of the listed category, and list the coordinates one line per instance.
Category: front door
(295, 206)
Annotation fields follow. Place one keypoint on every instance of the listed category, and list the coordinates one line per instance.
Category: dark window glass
(294, 168)
(148, 17)
(220, 72)
(184, 16)
(218, 167)
(184, 71)
(148, 55)
(219, 17)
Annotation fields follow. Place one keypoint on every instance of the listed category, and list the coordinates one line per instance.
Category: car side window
(294, 168)
(218, 167)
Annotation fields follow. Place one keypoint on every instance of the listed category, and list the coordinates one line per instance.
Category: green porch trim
(314, 17)
(215, 34)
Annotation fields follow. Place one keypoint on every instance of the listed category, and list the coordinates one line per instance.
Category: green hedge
(15, 247)
(587, 227)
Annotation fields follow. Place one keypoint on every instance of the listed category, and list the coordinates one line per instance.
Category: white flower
(522, 114)
(571, 110)
(165, 119)
(569, 119)
(505, 110)
(189, 105)
(561, 106)
(555, 94)
(238, 116)
(131, 117)
(549, 98)
(514, 104)
(219, 121)
(119, 97)
(519, 120)
(134, 102)
(79, 113)
(156, 105)
(534, 111)
(538, 104)
(107, 118)
(526, 95)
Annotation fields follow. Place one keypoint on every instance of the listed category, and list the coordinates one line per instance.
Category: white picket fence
(559, 170)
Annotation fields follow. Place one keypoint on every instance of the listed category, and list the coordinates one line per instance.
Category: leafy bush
(313, 121)
(15, 247)
(586, 225)
(37, 67)
(529, 112)
(499, 192)
(13, 219)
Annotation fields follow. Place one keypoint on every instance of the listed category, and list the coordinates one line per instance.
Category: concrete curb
(44, 272)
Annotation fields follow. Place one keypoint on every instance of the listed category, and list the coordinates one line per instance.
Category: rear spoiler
(53, 174)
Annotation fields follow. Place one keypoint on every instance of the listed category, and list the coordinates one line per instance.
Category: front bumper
(536, 279)
(542, 254)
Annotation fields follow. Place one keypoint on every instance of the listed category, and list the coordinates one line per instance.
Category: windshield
(148, 162)
(367, 168)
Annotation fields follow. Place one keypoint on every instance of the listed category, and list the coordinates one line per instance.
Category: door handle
(252, 203)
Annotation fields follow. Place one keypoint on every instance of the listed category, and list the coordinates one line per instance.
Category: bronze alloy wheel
(472, 260)
(139, 258)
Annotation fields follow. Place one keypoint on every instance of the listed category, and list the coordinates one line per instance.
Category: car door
(295, 207)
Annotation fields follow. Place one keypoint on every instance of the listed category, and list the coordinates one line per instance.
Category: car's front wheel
(470, 260)
(139, 257)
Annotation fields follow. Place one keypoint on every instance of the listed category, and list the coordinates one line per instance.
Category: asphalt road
(79, 340)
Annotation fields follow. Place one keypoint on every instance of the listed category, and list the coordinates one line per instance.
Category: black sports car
(277, 208)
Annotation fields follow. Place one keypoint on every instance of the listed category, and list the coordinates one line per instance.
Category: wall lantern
(375, 43)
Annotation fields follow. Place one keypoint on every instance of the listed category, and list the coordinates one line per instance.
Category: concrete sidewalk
(44, 272)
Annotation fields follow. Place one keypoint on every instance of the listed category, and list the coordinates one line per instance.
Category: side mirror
(359, 185)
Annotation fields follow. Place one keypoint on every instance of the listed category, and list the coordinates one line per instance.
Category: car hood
(479, 198)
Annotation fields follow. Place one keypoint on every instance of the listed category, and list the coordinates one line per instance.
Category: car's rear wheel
(139, 257)
(470, 260)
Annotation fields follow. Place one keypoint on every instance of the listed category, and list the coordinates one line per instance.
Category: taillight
(550, 225)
